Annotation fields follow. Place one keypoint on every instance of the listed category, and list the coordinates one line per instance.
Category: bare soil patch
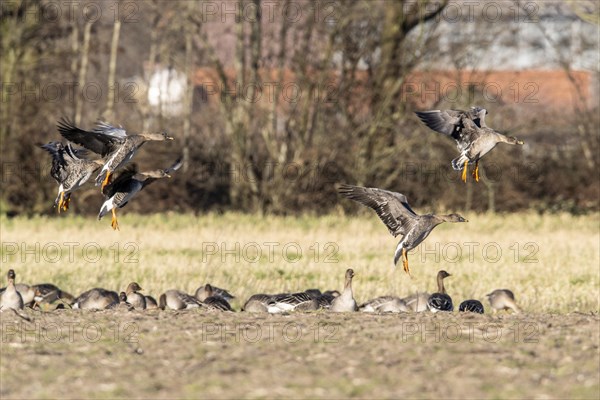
(188, 354)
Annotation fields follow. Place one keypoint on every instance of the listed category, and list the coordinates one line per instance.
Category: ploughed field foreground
(551, 350)
(187, 354)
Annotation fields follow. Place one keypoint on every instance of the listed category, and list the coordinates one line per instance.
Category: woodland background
(273, 102)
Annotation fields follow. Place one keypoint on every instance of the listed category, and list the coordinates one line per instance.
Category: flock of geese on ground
(71, 169)
(212, 298)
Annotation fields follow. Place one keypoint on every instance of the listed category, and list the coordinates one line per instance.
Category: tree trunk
(83, 70)
(189, 89)
(112, 67)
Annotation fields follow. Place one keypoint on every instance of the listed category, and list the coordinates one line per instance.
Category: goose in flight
(473, 137)
(110, 142)
(395, 212)
(128, 184)
(70, 171)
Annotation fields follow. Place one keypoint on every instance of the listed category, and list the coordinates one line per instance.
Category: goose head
(11, 275)
(453, 218)
(513, 140)
(157, 137)
(132, 288)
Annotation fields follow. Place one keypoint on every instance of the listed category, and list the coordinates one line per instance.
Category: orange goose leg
(114, 223)
(464, 173)
(106, 179)
(476, 171)
(405, 262)
(61, 201)
(67, 202)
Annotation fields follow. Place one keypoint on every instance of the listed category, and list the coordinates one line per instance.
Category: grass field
(550, 262)
(551, 350)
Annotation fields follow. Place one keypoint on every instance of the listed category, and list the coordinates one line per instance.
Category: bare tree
(112, 67)
(85, 49)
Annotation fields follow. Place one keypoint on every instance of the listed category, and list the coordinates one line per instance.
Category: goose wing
(462, 126)
(188, 300)
(440, 302)
(104, 128)
(174, 167)
(391, 207)
(167, 171)
(75, 154)
(378, 301)
(217, 303)
(477, 115)
(102, 140)
(474, 306)
(59, 164)
(122, 183)
(447, 122)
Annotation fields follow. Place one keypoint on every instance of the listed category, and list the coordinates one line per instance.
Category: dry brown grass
(562, 276)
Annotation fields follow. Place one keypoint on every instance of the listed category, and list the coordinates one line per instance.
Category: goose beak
(520, 142)
(168, 176)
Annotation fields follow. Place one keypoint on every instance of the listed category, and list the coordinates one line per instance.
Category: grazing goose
(113, 143)
(395, 212)
(47, 293)
(11, 298)
(128, 184)
(383, 304)
(201, 293)
(177, 300)
(151, 303)
(214, 301)
(417, 302)
(314, 293)
(345, 302)
(473, 137)
(69, 170)
(301, 301)
(473, 306)
(96, 299)
(257, 303)
(440, 301)
(122, 304)
(137, 300)
(503, 299)
(327, 298)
